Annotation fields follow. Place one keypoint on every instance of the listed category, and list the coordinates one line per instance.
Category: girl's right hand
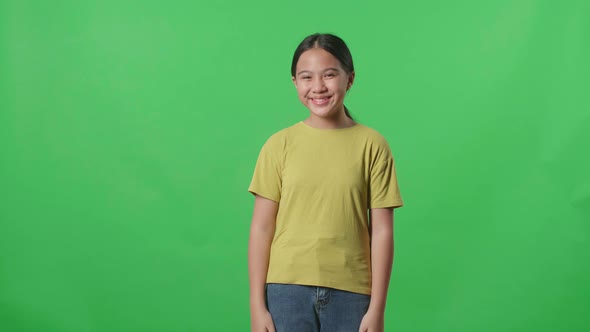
(261, 321)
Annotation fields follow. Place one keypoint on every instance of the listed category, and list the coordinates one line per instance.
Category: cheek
(339, 87)
(302, 91)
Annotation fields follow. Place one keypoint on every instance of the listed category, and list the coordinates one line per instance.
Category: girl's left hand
(372, 322)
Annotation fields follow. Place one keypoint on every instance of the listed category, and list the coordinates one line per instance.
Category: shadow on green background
(129, 132)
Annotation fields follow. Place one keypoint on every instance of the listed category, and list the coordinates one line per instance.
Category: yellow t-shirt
(325, 180)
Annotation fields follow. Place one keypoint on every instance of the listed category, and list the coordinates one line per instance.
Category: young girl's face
(321, 83)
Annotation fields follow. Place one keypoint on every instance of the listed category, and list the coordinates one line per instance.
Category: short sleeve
(383, 187)
(267, 178)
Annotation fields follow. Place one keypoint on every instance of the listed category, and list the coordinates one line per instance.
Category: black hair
(331, 43)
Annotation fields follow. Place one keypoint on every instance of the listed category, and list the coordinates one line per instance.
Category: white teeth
(321, 101)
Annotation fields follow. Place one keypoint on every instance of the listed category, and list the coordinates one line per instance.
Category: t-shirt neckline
(328, 130)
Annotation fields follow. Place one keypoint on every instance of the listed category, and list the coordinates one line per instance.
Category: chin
(322, 112)
(324, 115)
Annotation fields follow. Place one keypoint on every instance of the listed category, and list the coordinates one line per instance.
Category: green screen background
(129, 131)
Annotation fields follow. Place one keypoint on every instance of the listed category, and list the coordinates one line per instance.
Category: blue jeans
(297, 308)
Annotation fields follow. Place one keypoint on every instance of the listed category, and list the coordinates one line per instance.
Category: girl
(321, 241)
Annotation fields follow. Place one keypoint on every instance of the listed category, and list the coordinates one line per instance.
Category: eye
(330, 75)
(305, 77)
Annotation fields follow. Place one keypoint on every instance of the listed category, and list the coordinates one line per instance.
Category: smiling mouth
(320, 101)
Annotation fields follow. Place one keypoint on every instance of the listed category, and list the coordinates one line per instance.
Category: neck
(341, 121)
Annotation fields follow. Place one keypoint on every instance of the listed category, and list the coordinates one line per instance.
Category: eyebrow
(325, 70)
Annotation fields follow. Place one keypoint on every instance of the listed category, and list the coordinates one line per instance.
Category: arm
(261, 235)
(381, 263)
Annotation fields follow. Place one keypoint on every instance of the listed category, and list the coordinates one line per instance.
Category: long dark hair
(331, 43)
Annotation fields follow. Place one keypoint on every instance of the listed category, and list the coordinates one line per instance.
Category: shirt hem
(383, 205)
(335, 285)
(262, 194)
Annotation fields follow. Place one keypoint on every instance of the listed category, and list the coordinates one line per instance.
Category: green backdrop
(129, 131)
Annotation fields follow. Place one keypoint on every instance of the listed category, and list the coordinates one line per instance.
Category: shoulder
(373, 137)
(376, 146)
(279, 139)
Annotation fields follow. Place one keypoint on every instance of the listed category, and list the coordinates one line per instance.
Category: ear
(350, 81)
(294, 80)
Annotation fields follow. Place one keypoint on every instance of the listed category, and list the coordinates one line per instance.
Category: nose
(318, 85)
